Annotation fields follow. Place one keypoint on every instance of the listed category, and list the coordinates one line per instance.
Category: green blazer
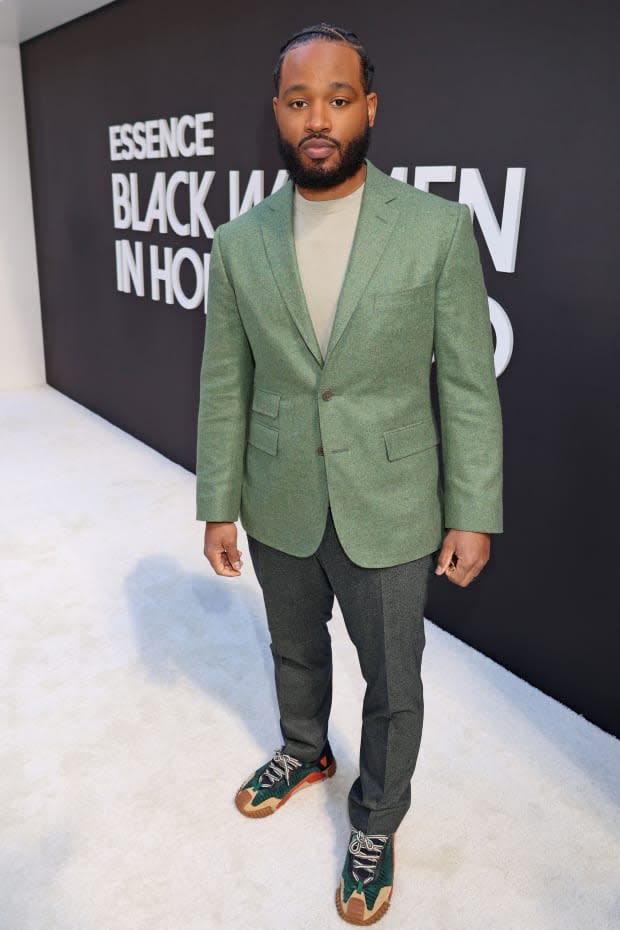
(282, 433)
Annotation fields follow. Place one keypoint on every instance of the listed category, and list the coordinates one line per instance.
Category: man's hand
(221, 548)
(463, 556)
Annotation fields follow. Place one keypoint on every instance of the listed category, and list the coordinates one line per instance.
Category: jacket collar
(377, 217)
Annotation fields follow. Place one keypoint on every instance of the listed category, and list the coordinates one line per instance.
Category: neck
(339, 190)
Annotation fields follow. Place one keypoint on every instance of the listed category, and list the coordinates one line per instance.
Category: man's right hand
(221, 548)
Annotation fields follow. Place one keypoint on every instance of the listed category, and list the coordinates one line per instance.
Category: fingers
(228, 561)
(220, 548)
(464, 574)
(445, 562)
(463, 556)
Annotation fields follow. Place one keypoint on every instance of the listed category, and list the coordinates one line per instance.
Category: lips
(318, 148)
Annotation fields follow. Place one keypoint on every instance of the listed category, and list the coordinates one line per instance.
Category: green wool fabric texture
(283, 432)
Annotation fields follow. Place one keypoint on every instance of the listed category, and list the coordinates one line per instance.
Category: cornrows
(332, 34)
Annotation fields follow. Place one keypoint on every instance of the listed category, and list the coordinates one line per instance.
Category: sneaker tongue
(278, 769)
(366, 850)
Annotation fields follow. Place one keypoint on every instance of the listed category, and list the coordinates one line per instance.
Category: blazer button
(327, 394)
(320, 450)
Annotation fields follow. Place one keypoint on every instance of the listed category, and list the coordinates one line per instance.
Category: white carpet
(139, 690)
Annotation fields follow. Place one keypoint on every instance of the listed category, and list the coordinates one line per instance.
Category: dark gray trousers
(383, 609)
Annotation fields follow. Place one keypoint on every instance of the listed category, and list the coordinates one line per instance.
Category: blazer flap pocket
(407, 297)
(267, 402)
(415, 437)
(263, 437)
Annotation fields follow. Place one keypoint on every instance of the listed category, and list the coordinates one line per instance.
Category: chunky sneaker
(365, 888)
(270, 786)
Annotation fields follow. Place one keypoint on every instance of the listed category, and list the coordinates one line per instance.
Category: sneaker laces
(280, 767)
(366, 851)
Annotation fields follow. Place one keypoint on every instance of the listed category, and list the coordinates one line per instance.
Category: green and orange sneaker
(365, 889)
(270, 786)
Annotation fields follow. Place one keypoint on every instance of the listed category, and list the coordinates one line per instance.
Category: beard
(316, 177)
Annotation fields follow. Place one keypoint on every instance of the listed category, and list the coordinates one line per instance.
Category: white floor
(139, 690)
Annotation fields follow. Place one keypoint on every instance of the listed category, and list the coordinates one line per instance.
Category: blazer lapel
(278, 237)
(377, 218)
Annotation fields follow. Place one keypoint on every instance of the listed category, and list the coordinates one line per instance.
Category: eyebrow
(334, 85)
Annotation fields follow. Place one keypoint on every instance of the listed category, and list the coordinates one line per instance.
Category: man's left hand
(463, 556)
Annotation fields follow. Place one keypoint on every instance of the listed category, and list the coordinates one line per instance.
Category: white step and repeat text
(148, 270)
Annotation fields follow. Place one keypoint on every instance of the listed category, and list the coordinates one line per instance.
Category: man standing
(328, 303)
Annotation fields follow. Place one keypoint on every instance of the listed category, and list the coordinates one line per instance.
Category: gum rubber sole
(355, 914)
(244, 797)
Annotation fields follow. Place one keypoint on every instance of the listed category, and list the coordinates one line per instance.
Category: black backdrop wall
(477, 89)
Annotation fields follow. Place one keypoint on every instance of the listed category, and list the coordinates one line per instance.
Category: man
(327, 302)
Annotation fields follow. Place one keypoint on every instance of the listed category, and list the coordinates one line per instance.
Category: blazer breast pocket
(263, 437)
(405, 298)
(415, 437)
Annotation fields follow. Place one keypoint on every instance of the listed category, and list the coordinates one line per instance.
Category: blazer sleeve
(226, 378)
(470, 413)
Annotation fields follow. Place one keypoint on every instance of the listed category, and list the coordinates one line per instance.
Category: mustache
(319, 135)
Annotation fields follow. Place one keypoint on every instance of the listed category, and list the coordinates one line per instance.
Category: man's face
(323, 115)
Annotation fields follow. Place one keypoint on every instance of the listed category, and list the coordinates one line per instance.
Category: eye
(293, 104)
(340, 102)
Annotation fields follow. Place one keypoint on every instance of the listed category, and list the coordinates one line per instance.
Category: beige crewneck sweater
(324, 231)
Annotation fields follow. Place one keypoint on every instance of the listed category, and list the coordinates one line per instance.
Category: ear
(274, 103)
(372, 101)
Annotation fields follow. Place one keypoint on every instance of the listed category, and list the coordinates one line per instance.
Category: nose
(317, 118)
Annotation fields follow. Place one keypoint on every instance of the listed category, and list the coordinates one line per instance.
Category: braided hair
(332, 34)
